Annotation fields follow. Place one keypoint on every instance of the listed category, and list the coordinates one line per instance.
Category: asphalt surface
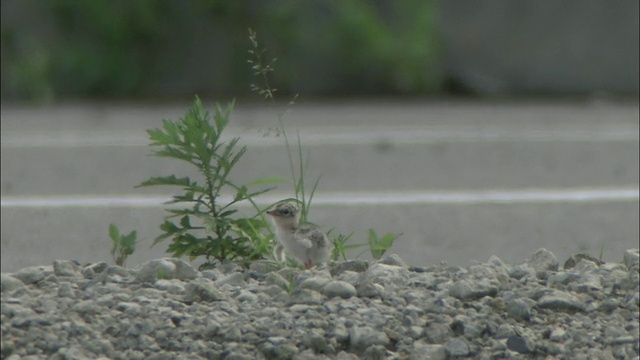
(460, 180)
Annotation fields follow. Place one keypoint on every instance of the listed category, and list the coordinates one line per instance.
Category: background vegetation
(162, 48)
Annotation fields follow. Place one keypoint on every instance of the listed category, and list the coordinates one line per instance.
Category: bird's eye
(285, 212)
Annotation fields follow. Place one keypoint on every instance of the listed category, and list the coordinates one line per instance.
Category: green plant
(378, 245)
(340, 247)
(261, 68)
(298, 166)
(208, 227)
(123, 245)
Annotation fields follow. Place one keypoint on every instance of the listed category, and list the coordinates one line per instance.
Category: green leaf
(171, 152)
(166, 180)
(179, 212)
(169, 227)
(185, 223)
(114, 233)
(129, 243)
(228, 213)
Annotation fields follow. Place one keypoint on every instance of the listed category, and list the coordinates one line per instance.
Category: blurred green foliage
(158, 48)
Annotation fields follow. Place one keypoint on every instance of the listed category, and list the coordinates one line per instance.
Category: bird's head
(285, 213)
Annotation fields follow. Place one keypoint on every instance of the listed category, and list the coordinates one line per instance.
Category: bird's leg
(279, 253)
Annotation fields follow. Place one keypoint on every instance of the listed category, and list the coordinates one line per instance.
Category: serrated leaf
(169, 227)
(185, 222)
(171, 152)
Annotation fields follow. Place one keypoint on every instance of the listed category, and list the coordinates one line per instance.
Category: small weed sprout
(378, 245)
(340, 247)
(123, 245)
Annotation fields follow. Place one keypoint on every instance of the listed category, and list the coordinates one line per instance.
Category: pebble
(340, 289)
(166, 309)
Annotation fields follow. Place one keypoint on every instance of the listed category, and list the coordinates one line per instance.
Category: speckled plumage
(306, 243)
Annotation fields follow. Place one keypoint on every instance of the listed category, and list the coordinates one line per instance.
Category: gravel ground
(165, 309)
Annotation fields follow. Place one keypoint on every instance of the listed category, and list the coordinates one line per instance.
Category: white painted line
(572, 195)
(334, 136)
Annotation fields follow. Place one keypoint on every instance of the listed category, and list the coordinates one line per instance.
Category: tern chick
(305, 242)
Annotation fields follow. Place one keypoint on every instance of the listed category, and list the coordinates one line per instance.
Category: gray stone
(466, 290)
(211, 274)
(464, 325)
(184, 270)
(349, 276)
(66, 268)
(369, 289)
(457, 347)
(504, 331)
(522, 270)
(343, 355)
(362, 337)
(16, 310)
(245, 295)
(563, 278)
(586, 266)
(520, 309)
(496, 261)
(9, 283)
(309, 354)
(339, 289)
(375, 352)
(33, 274)
(521, 344)
(423, 351)
(129, 308)
(557, 335)
(65, 290)
(305, 296)
(393, 259)
(560, 301)
(279, 352)
(437, 333)
(173, 286)
(152, 270)
(349, 265)
(315, 283)
(74, 352)
(233, 279)
(207, 292)
(543, 260)
(589, 282)
(314, 339)
(86, 307)
(92, 270)
(609, 305)
(263, 266)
